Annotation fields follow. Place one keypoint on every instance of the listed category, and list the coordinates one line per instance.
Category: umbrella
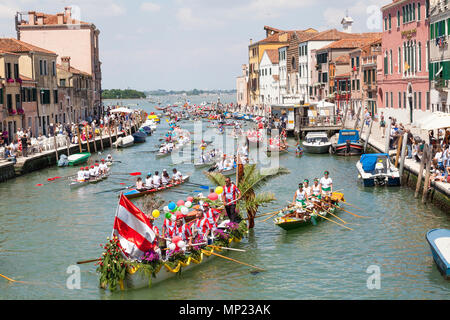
(437, 122)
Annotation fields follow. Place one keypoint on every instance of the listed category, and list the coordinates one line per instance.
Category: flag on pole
(132, 227)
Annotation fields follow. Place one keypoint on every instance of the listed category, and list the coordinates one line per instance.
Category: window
(357, 84)
(391, 64)
(386, 102)
(385, 24)
(415, 100)
(45, 96)
(16, 71)
(392, 99)
(390, 24)
(404, 100)
(427, 102)
(55, 96)
(419, 61)
(418, 11)
(398, 18)
(357, 62)
(53, 68)
(45, 68)
(420, 100)
(8, 71)
(399, 60)
(399, 100)
(1, 95)
(385, 63)
(41, 67)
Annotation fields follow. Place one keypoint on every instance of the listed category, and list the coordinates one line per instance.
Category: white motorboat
(316, 142)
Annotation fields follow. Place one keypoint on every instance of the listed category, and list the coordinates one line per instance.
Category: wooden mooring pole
(403, 156)
(427, 175)
(420, 175)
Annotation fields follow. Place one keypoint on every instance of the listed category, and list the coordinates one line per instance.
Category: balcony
(370, 61)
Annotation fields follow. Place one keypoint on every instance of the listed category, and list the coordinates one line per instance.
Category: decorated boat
(349, 144)
(376, 169)
(439, 241)
(308, 215)
(75, 184)
(316, 142)
(133, 193)
(78, 158)
(137, 257)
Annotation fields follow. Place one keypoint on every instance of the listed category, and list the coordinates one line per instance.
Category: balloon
(173, 218)
(166, 209)
(188, 204)
(184, 210)
(180, 203)
(190, 199)
(168, 215)
(181, 244)
(219, 190)
(172, 206)
(172, 246)
(213, 196)
(155, 213)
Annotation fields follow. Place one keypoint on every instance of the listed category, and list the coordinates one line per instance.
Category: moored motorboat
(139, 137)
(376, 169)
(439, 241)
(349, 144)
(124, 142)
(78, 158)
(316, 142)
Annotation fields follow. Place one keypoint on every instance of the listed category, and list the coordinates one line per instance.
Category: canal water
(45, 230)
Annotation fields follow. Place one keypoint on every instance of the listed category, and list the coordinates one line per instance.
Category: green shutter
(446, 71)
(418, 11)
(1, 95)
(432, 31)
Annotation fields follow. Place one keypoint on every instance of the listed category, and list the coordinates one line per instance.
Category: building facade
(269, 80)
(242, 87)
(439, 61)
(403, 83)
(68, 37)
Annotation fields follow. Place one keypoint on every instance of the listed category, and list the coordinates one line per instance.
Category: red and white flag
(133, 229)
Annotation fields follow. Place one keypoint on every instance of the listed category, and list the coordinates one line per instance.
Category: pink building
(68, 37)
(403, 86)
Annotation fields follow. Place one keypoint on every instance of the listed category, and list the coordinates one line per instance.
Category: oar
(243, 263)
(277, 212)
(226, 248)
(332, 221)
(329, 211)
(88, 261)
(354, 214)
(351, 205)
(112, 190)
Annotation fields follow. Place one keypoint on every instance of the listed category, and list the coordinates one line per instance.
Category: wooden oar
(88, 261)
(351, 205)
(277, 212)
(330, 211)
(226, 248)
(354, 214)
(243, 263)
(333, 221)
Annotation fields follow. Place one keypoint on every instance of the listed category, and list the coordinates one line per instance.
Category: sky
(187, 44)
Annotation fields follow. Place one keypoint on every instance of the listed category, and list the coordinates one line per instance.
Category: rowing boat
(133, 193)
(76, 184)
(136, 278)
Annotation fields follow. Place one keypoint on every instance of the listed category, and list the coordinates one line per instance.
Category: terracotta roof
(302, 34)
(350, 43)
(17, 46)
(273, 55)
(344, 59)
(72, 70)
(52, 19)
(7, 52)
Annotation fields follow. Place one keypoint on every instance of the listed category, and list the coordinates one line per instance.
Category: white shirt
(92, 171)
(326, 183)
(164, 180)
(156, 180)
(80, 175)
(300, 195)
(177, 176)
(148, 182)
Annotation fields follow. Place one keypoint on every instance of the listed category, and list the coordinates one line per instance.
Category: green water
(44, 230)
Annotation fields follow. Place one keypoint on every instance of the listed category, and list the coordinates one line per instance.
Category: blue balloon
(172, 206)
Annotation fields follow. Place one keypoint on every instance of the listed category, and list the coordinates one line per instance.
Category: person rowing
(165, 178)
(316, 192)
(109, 159)
(156, 180)
(87, 174)
(139, 185)
(182, 230)
(168, 228)
(149, 181)
(300, 200)
(103, 167)
(177, 177)
(92, 172)
(209, 213)
(326, 184)
(80, 175)
(307, 188)
(201, 227)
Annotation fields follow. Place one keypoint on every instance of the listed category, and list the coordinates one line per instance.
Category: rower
(182, 230)
(168, 228)
(149, 181)
(139, 184)
(109, 158)
(307, 188)
(165, 178)
(202, 227)
(326, 184)
(156, 180)
(87, 174)
(316, 191)
(300, 199)
(177, 176)
(97, 169)
(209, 214)
(103, 167)
(80, 175)
(92, 171)
(231, 194)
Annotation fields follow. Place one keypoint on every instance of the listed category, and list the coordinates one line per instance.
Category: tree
(250, 180)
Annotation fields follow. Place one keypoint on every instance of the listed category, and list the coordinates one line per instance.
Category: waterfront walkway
(377, 141)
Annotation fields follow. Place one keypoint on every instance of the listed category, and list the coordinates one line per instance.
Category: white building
(305, 64)
(269, 78)
(282, 53)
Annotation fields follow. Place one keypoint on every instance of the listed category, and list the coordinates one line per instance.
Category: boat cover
(369, 160)
(351, 135)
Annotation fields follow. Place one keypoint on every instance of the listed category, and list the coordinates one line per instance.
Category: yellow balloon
(219, 190)
(155, 213)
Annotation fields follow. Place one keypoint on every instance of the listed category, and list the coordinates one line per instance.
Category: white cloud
(150, 7)
(8, 11)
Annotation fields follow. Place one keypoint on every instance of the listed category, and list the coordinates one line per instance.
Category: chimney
(251, 41)
(65, 63)
(31, 18)
(68, 12)
(40, 19)
(60, 18)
